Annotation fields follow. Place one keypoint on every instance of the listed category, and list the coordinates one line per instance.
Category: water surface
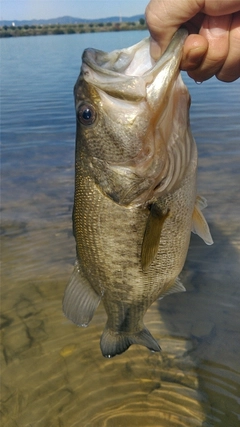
(53, 373)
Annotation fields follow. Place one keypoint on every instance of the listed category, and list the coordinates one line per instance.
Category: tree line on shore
(35, 30)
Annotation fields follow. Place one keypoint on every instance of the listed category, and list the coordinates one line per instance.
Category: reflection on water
(53, 373)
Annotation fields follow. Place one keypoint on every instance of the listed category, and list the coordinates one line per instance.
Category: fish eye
(86, 114)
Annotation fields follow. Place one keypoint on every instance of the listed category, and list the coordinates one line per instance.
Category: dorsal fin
(152, 234)
(175, 288)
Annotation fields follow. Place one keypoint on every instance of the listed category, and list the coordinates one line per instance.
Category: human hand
(213, 45)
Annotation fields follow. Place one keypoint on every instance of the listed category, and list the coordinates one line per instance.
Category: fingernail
(218, 25)
(193, 59)
(155, 50)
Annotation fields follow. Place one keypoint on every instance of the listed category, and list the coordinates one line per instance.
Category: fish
(135, 201)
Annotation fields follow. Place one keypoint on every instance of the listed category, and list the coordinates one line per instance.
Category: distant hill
(70, 20)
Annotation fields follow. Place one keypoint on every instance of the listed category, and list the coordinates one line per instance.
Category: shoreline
(58, 29)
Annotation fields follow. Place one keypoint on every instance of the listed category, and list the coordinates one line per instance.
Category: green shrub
(6, 34)
(116, 26)
(58, 31)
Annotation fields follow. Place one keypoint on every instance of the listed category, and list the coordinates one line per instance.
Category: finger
(220, 7)
(230, 70)
(164, 18)
(194, 50)
(216, 32)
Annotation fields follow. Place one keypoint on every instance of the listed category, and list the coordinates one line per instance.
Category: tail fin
(113, 343)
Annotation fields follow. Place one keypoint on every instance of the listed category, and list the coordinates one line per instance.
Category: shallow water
(53, 373)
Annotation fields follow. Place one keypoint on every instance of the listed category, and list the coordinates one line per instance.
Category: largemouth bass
(135, 189)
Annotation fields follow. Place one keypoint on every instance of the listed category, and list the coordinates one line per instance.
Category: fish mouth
(150, 101)
(130, 73)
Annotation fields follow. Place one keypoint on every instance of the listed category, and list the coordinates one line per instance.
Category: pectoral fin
(152, 235)
(80, 300)
(199, 224)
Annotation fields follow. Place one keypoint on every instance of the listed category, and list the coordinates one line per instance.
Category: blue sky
(87, 9)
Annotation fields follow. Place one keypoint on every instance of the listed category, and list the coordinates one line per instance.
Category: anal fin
(80, 300)
(152, 234)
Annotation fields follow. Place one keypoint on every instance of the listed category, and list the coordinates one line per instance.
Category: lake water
(53, 374)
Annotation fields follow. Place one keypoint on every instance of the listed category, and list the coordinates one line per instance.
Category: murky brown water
(53, 373)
